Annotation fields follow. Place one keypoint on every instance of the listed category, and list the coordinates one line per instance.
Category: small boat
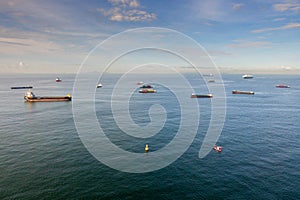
(58, 79)
(147, 91)
(282, 86)
(217, 148)
(30, 97)
(211, 81)
(146, 86)
(99, 85)
(140, 83)
(21, 87)
(247, 76)
(193, 95)
(242, 92)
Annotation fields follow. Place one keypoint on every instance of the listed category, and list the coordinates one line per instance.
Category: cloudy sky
(42, 36)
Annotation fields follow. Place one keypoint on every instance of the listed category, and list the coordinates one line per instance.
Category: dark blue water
(42, 157)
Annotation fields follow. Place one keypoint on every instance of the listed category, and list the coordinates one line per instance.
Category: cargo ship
(147, 91)
(193, 95)
(242, 92)
(21, 87)
(30, 97)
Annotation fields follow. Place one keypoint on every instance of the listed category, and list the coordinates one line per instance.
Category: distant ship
(147, 90)
(208, 75)
(99, 85)
(247, 76)
(282, 86)
(242, 92)
(21, 87)
(193, 95)
(146, 86)
(58, 79)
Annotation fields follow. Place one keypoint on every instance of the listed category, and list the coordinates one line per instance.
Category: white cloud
(211, 9)
(138, 15)
(117, 17)
(288, 26)
(125, 3)
(279, 19)
(32, 13)
(282, 7)
(249, 44)
(17, 46)
(286, 67)
(134, 4)
(237, 6)
(126, 10)
(220, 10)
(76, 34)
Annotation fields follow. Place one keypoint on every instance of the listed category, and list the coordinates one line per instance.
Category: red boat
(282, 86)
(217, 148)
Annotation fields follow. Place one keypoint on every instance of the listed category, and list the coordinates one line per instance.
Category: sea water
(42, 156)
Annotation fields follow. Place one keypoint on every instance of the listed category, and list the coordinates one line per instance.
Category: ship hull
(242, 92)
(21, 87)
(201, 96)
(47, 99)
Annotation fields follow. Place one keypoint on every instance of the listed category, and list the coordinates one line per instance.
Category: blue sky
(41, 36)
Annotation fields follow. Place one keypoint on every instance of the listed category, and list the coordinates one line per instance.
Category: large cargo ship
(30, 97)
(193, 95)
(242, 92)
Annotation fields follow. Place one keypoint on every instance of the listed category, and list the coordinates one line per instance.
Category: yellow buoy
(146, 148)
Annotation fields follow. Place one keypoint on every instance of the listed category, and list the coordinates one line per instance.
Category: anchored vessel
(21, 87)
(147, 91)
(193, 95)
(99, 85)
(146, 86)
(247, 76)
(242, 92)
(282, 86)
(30, 97)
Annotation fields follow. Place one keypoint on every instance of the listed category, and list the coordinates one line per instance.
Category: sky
(42, 36)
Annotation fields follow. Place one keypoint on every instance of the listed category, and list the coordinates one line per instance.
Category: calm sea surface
(42, 156)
